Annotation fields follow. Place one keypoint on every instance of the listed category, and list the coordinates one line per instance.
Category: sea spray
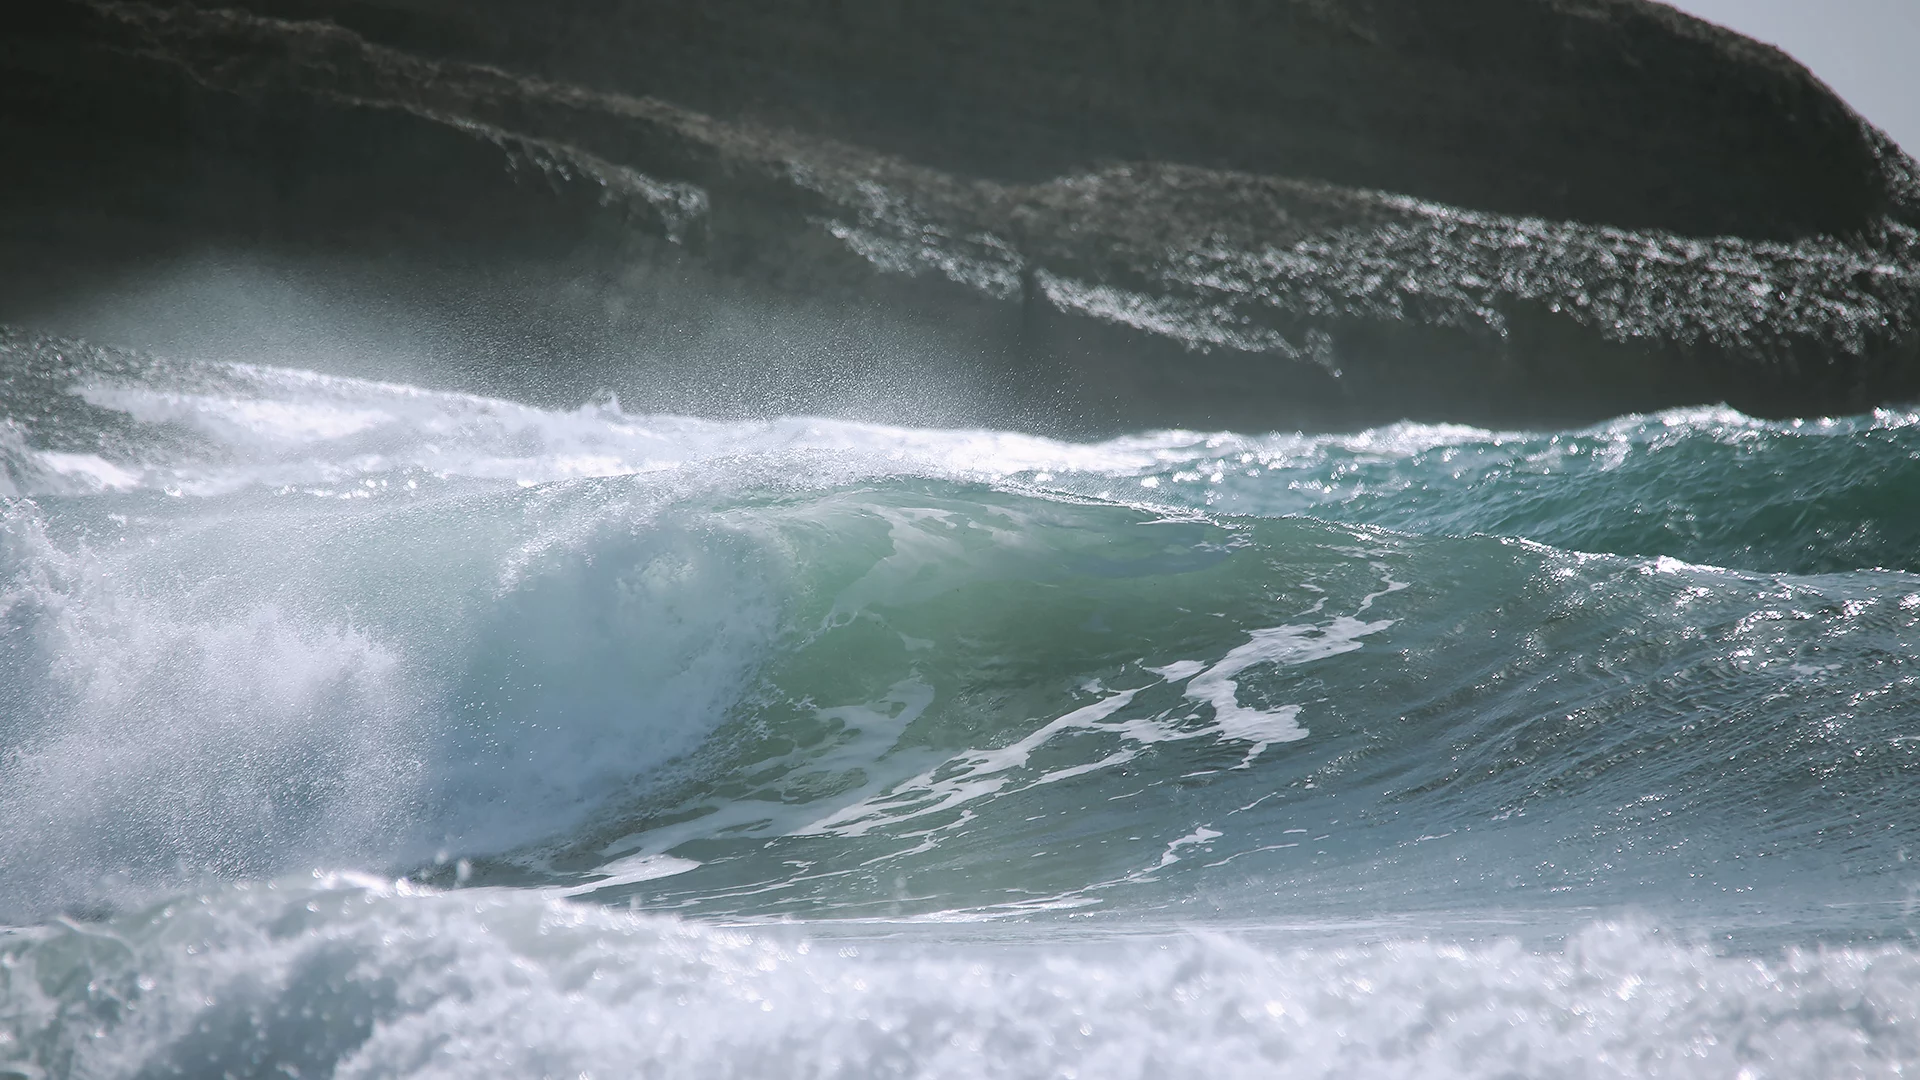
(619, 739)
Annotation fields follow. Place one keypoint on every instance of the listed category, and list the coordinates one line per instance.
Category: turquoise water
(358, 729)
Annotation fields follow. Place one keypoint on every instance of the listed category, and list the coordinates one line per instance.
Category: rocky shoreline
(1104, 273)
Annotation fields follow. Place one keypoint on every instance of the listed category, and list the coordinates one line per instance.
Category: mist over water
(356, 728)
(728, 539)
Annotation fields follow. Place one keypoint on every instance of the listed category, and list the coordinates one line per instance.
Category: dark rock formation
(1077, 215)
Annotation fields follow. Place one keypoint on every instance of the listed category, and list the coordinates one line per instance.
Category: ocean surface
(359, 729)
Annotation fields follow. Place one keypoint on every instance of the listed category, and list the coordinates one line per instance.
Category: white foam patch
(976, 774)
(631, 871)
(1179, 669)
(91, 471)
(1198, 838)
(868, 732)
(1261, 728)
(278, 427)
(972, 775)
(358, 979)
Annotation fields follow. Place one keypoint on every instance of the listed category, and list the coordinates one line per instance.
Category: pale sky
(1867, 50)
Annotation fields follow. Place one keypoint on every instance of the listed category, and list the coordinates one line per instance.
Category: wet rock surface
(1071, 216)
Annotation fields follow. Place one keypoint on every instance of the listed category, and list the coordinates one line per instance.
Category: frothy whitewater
(356, 729)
